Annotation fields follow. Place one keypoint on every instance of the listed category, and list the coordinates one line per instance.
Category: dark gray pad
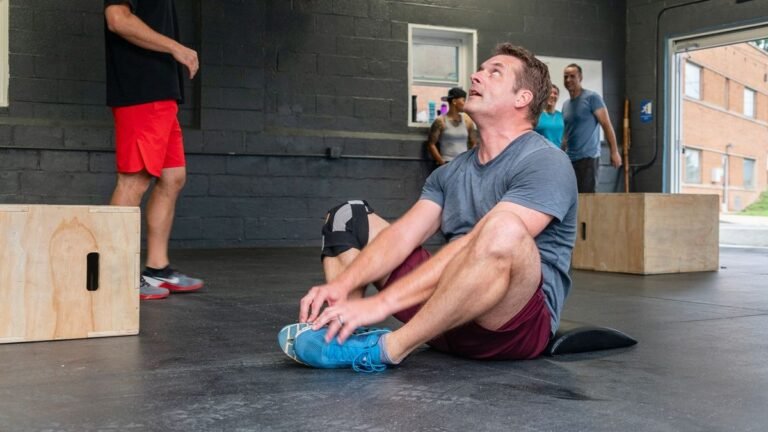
(573, 337)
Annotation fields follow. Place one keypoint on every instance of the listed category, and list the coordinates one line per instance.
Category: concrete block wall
(646, 65)
(281, 84)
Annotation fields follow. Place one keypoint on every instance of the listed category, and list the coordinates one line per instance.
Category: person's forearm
(417, 286)
(135, 31)
(610, 135)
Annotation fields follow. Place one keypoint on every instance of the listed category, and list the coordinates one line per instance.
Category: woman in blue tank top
(551, 124)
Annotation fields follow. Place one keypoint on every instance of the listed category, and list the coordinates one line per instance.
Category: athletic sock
(156, 271)
(383, 352)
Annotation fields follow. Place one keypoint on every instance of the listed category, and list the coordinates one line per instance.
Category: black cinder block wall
(282, 83)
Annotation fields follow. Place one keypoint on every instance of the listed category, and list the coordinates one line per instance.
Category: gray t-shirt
(582, 130)
(530, 172)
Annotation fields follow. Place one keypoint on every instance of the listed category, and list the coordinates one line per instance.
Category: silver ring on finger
(341, 320)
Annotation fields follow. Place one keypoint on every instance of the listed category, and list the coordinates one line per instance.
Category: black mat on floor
(574, 337)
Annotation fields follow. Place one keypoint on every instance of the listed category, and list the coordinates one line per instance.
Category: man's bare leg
(160, 211)
(333, 266)
(130, 188)
(489, 281)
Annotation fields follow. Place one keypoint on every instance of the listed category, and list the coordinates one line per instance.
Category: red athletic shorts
(525, 336)
(148, 137)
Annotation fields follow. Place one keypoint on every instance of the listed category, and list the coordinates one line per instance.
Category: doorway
(717, 138)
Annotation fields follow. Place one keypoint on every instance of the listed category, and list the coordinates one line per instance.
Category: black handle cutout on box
(583, 230)
(92, 272)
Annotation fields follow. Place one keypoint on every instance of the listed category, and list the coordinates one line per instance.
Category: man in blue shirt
(583, 113)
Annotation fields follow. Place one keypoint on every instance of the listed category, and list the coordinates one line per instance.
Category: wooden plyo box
(68, 272)
(647, 233)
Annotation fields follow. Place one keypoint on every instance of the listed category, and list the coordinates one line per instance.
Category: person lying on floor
(496, 289)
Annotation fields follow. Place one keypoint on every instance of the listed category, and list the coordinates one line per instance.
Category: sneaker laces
(361, 330)
(364, 359)
(364, 363)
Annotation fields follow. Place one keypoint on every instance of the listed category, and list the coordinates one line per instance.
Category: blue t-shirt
(582, 130)
(551, 127)
(530, 172)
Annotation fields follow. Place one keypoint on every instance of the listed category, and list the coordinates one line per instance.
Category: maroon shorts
(525, 336)
(148, 137)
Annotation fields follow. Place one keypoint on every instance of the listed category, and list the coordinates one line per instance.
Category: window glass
(749, 173)
(692, 81)
(749, 102)
(692, 165)
(435, 63)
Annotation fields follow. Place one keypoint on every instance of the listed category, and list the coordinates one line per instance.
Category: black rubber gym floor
(209, 361)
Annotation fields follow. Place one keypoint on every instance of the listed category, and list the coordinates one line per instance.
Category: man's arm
(379, 258)
(602, 117)
(417, 286)
(121, 21)
(434, 136)
(471, 133)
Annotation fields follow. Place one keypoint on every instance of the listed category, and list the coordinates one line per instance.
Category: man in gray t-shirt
(584, 114)
(496, 290)
(530, 173)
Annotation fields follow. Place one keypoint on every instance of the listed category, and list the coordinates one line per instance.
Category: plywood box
(647, 233)
(68, 272)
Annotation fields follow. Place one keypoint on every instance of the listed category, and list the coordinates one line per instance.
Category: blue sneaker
(287, 336)
(361, 351)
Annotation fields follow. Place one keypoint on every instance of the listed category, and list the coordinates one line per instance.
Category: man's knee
(346, 227)
(501, 235)
(173, 179)
(134, 183)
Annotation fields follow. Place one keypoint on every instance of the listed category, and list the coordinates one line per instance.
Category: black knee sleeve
(346, 227)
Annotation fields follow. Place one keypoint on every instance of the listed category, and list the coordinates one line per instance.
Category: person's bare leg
(160, 211)
(333, 266)
(130, 188)
(489, 281)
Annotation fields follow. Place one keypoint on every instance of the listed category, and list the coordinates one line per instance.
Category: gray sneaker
(287, 336)
(149, 292)
(172, 280)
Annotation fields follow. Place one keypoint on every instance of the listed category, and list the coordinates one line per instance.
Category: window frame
(4, 59)
(699, 69)
(441, 35)
(699, 153)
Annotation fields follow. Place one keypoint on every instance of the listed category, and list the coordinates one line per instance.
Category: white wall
(592, 73)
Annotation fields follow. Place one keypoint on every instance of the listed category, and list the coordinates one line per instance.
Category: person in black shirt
(144, 87)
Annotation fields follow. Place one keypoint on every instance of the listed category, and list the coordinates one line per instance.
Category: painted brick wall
(281, 82)
(715, 121)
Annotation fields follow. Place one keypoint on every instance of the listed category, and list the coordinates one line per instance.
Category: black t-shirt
(136, 75)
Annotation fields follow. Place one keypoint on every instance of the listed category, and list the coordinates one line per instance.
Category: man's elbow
(116, 17)
(112, 26)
